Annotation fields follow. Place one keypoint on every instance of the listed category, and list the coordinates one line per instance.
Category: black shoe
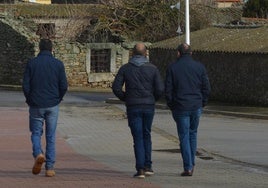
(140, 174)
(148, 171)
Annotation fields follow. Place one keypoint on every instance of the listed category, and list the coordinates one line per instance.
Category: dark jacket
(143, 83)
(187, 85)
(44, 81)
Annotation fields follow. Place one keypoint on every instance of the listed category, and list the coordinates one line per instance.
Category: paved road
(233, 151)
(240, 139)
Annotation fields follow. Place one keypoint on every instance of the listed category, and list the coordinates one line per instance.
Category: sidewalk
(72, 169)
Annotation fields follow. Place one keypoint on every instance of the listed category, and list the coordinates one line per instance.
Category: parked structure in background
(47, 2)
(227, 3)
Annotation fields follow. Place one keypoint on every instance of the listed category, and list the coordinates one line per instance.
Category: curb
(236, 114)
(205, 110)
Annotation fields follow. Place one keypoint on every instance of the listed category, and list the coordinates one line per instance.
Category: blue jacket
(44, 81)
(143, 83)
(187, 85)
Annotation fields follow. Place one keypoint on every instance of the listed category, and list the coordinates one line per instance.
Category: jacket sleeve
(118, 83)
(169, 88)
(63, 85)
(26, 82)
(158, 86)
(206, 88)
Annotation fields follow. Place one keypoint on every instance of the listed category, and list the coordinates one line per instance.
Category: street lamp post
(187, 22)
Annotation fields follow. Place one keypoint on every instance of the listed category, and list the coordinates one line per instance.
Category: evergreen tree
(256, 9)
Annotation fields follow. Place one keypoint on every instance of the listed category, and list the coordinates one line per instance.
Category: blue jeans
(37, 118)
(140, 123)
(187, 124)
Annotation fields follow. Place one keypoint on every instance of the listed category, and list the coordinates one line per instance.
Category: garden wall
(238, 78)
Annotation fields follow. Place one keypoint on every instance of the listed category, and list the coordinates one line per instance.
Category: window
(100, 60)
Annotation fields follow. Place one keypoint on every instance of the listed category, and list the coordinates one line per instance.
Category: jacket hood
(138, 60)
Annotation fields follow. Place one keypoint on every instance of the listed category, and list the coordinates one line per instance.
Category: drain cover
(168, 150)
(206, 157)
(198, 153)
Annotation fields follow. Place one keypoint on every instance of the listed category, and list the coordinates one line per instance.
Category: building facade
(227, 3)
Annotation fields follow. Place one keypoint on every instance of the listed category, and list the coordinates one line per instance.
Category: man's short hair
(139, 49)
(45, 44)
(184, 49)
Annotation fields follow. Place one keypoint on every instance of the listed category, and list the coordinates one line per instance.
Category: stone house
(92, 63)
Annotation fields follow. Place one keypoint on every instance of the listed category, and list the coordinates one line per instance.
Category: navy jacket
(143, 83)
(187, 85)
(44, 81)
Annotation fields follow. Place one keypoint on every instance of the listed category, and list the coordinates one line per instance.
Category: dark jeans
(187, 124)
(140, 123)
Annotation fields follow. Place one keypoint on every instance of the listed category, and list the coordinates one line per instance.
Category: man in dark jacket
(187, 90)
(44, 85)
(143, 86)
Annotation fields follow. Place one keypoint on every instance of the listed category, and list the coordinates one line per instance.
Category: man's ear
(146, 53)
(178, 54)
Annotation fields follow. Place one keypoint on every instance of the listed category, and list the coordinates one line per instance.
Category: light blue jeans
(187, 125)
(37, 118)
(140, 122)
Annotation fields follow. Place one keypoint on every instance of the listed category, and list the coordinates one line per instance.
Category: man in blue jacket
(143, 86)
(187, 89)
(44, 85)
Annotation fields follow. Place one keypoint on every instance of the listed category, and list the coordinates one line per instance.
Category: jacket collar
(45, 52)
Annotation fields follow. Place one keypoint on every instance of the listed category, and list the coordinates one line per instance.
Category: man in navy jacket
(187, 89)
(44, 85)
(143, 86)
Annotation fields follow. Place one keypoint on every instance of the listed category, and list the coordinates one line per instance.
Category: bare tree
(120, 20)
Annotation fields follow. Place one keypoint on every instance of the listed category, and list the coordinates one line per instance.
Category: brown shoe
(192, 170)
(50, 173)
(187, 173)
(39, 160)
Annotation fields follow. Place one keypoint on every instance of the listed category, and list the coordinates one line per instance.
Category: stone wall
(73, 55)
(15, 49)
(238, 78)
(75, 58)
(19, 43)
